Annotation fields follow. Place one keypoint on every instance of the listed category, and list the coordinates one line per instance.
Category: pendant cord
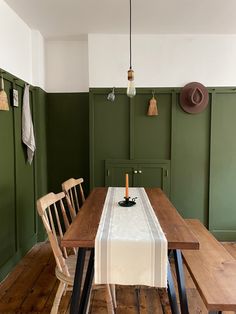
(130, 43)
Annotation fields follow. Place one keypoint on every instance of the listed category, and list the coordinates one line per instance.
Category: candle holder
(127, 202)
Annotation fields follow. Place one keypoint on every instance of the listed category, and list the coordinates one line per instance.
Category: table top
(83, 230)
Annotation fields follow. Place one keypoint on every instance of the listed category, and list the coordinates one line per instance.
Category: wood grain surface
(213, 270)
(83, 230)
(177, 232)
(20, 295)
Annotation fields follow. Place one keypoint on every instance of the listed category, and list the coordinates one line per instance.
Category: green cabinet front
(141, 173)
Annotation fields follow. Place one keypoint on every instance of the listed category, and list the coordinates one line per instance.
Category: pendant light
(131, 91)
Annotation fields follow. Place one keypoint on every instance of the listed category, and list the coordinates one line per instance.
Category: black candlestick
(127, 202)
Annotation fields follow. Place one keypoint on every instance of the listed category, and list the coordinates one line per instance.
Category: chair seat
(71, 265)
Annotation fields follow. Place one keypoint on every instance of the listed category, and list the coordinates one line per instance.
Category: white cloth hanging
(27, 125)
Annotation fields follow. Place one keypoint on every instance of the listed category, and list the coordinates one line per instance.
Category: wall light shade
(131, 91)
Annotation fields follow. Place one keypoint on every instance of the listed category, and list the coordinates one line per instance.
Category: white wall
(38, 59)
(21, 49)
(103, 60)
(162, 60)
(15, 51)
(67, 66)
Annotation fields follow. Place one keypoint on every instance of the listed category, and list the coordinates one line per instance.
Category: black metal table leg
(87, 284)
(181, 282)
(74, 307)
(171, 291)
(137, 294)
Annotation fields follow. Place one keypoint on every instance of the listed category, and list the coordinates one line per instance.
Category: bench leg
(171, 292)
(181, 282)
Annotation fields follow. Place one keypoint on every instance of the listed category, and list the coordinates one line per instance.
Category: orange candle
(126, 185)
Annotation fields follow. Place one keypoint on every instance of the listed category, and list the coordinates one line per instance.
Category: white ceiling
(66, 19)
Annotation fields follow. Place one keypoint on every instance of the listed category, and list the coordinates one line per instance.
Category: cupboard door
(154, 175)
(115, 174)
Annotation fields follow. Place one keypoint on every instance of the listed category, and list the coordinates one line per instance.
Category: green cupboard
(142, 173)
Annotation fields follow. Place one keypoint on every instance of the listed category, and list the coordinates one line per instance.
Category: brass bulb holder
(130, 75)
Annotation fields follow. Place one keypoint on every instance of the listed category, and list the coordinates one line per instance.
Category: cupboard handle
(135, 171)
(140, 171)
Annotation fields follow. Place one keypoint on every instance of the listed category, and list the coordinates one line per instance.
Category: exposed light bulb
(131, 90)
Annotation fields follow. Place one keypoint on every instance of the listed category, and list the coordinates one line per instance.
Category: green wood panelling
(200, 148)
(7, 187)
(223, 166)
(123, 130)
(190, 162)
(111, 132)
(41, 179)
(68, 138)
(41, 137)
(152, 134)
(225, 235)
(19, 184)
(25, 189)
(131, 128)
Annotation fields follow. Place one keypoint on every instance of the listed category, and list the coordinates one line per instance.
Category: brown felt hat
(194, 97)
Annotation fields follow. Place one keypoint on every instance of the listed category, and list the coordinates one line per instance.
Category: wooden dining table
(83, 230)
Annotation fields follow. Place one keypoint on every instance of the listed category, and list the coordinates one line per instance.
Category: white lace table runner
(130, 246)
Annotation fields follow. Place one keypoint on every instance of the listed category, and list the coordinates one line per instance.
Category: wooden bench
(212, 269)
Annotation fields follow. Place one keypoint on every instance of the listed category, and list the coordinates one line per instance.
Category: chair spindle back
(74, 193)
(52, 211)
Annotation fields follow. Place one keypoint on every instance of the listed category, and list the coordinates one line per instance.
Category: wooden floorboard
(21, 288)
(40, 292)
(32, 285)
(17, 271)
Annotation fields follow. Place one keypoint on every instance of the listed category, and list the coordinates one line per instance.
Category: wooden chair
(52, 211)
(74, 191)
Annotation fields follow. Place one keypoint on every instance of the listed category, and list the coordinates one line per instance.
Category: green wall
(41, 175)
(222, 201)
(190, 162)
(200, 148)
(68, 138)
(20, 183)
(61, 126)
